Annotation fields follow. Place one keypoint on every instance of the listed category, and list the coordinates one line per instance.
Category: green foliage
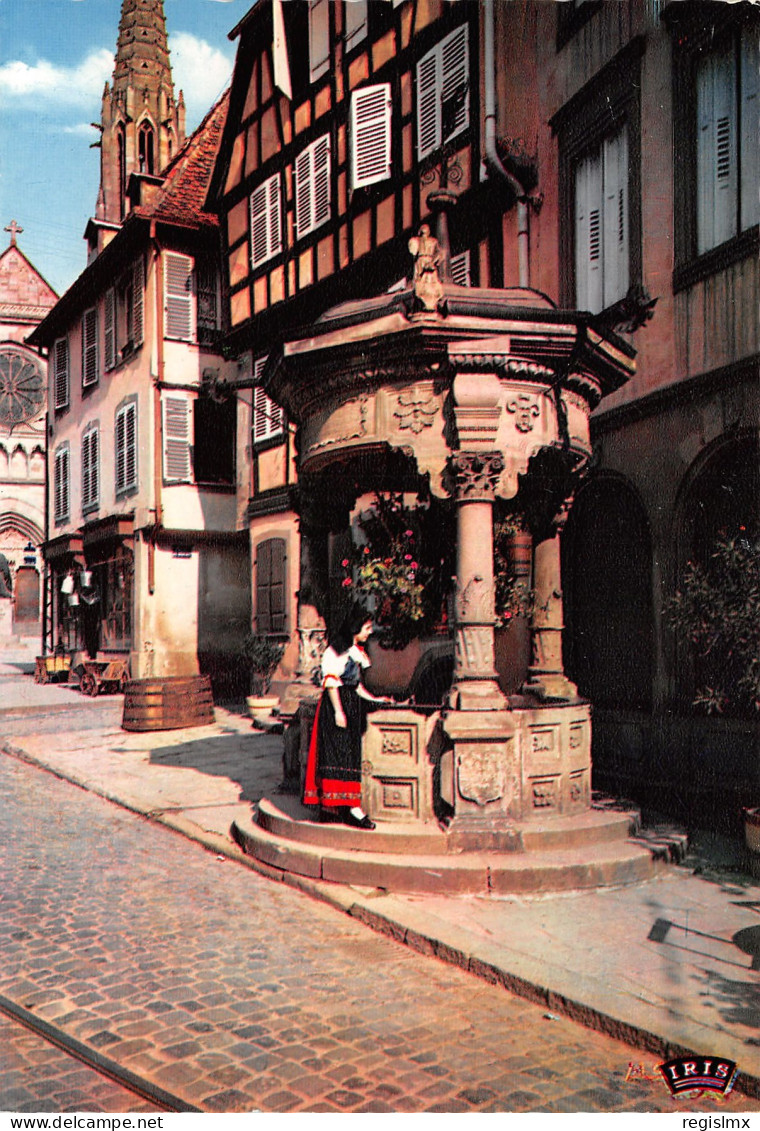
(263, 653)
(717, 609)
(513, 597)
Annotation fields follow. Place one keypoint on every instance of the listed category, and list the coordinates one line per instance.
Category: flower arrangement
(513, 596)
(398, 569)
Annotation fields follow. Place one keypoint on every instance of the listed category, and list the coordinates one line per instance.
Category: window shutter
(319, 38)
(460, 269)
(355, 15)
(428, 104)
(271, 613)
(313, 186)
(126, 447)
(61, 500)
(138, 302)
(615, 235)
(109, 329)
(716, 151)
(455, 91)
(90, 477)
(266, 221)
(177, 467)
(370, 135)
(588, 234)
(61, 372)
(750, 130)
(268, 418)
(178, 292)
(89, 348)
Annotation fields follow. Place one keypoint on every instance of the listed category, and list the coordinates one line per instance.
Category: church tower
(142, 124)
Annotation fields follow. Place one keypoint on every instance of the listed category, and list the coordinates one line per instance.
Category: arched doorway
(607, 578)
(26, 606)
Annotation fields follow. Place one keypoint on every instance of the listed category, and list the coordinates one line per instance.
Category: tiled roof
(182, 195)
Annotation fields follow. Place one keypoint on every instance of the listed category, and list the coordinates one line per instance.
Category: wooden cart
(103, 675)
(51, 669)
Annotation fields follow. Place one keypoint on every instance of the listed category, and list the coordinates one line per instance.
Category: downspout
(158, 432)
(492, 157)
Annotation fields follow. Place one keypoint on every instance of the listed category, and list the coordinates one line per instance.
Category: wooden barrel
(168, 703)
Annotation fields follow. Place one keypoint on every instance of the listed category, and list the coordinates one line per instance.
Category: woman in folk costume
(334, 766)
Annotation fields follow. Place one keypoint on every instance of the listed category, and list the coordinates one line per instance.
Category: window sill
(717, 259)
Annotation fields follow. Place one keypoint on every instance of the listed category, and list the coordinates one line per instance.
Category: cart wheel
(88, 685)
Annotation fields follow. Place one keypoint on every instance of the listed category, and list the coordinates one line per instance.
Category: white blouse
(334, 664)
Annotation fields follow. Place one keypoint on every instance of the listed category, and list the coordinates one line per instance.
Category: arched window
(121, 158)
(607, 583)
(146, 148)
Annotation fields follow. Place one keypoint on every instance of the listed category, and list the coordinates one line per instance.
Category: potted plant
(263, 653)
(717, 610)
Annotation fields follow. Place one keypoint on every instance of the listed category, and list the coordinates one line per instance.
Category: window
(61, 492)
(207, 286)
(123, 316)
(109, 329)
(355, 16)
(178, 296)
(460, 269)
(271, 610)
(89, 348)
(268, 418)
(319, 38)
(125, 448)
(266, 221)
(90, 468)
(145, 145)
(601, 225)
(215, 435)
(370, 131)
(61, 373)
(443, 92)
(727, 150)
(313, 186)
(177, 466)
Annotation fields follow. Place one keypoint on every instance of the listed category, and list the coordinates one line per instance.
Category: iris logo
(704, 1074)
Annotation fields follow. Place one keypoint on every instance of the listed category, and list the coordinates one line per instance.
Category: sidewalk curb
(344, 900)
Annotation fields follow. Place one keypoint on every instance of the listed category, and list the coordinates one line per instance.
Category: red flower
(345, 562)
(346, 582)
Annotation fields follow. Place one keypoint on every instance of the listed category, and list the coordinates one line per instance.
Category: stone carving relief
(474, 651)
(480, 772)
(346, 423)
(415, 413)
(525, 410)
(397, 742)
(399, 795)
(428, 258)
(545, 793)
(543, 741)
(477, 475)
(577, 788)
(475, 601)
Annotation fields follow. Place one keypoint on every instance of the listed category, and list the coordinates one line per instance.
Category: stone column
(546, 675)
(475, 685)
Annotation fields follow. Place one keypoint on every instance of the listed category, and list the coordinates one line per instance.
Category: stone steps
(402, 860)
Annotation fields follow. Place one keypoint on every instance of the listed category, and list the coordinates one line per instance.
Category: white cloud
(43, 82)
(200, 70)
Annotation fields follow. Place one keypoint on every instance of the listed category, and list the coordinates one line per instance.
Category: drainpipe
(158, 435)
(492, 157)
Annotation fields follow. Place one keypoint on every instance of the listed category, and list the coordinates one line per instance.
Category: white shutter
(126, 447)
(268, 418)
(370, 135)
(356, 22)
(177, 467)
(319, 38)
(750, 130)
(109, 329)
(716, 151)
(178, 296)
(138, 302)
(90, 468)
(615, 231)
(460, 269)
(455, 73)
(61, 373)
(89, 348)
(588, 234)
(61, 494)
(428, 103)
(266, 221)
(313, 186)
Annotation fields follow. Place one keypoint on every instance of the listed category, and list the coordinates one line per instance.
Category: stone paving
(238, 994)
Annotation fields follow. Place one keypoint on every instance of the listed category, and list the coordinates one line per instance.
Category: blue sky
(55, 56)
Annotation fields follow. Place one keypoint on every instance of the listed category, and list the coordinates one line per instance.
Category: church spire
(142, 125)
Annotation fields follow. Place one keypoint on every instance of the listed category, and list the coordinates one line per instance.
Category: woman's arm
(340, 714)
(362, 692)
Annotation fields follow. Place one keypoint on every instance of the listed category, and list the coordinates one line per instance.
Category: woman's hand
(340, 720)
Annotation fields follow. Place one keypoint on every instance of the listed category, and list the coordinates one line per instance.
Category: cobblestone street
(237, 994)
